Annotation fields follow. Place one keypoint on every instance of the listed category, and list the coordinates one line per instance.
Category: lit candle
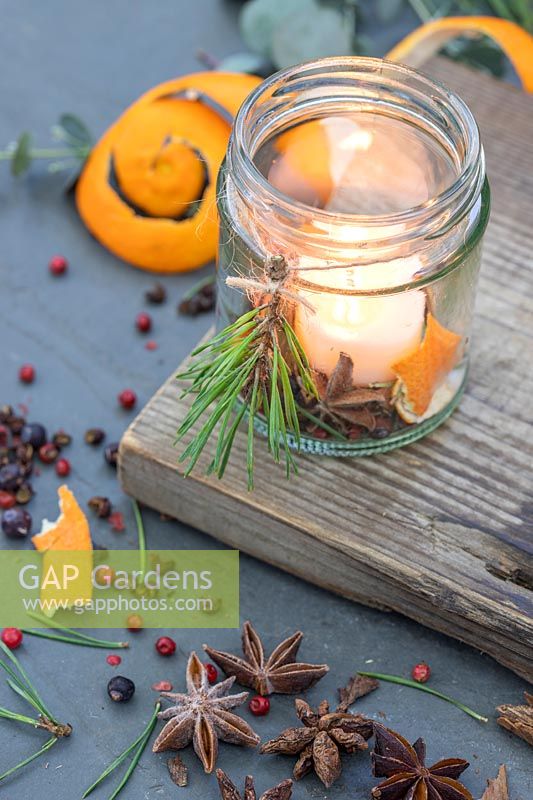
(374, 331)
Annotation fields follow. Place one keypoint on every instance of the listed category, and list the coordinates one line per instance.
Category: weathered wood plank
(441, 531)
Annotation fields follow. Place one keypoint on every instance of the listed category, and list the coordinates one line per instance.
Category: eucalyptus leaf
(251, 63)
(21, 159)
(260, 18)
(388, 10)
(301, 37)
(76, 131)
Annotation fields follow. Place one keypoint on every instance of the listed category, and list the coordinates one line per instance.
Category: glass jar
(368, 178)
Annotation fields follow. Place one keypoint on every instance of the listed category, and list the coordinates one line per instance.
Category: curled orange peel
(148, 189)
(422, 371)
(71, 529)
(424, 42)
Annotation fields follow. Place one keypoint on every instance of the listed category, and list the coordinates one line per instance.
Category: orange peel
(421, 372)
(424, 42)
(71, 529)
(148, 189)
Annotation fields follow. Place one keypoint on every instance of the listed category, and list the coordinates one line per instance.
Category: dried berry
(199, 300)
(165, 646)
(151, 345)
(24, 494)
(61, 439)
(259, 706)
(12, 637)
(6, 412)
(24, 453)
(143, 322)
(94, 436)
(127, 398)
(101, 506)
(7, 500)
(33, 433)
(27, 373)
(58, 265)
(134, 623)
(162, 686)
(116, 520)
(211, 672)
(48, 453)
(10, 477)
(4, 435)
(113, 660)
(120, 689)
(111, 454)
(16, 523)
(62, 468)
(421, 672)
(156, 295)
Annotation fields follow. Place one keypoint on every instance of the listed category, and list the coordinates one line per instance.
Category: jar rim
(445, 208)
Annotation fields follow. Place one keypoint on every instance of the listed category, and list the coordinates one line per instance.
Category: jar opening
(366, 154)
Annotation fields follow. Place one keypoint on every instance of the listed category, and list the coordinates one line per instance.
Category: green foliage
(321, 32)
(243, 371)
(21, 158)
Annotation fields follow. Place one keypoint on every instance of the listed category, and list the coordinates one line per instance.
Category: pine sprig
(135, 749)
(244, 370)
(21, 684)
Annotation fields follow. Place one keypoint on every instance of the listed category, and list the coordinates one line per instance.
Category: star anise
(228, 790)
(346, 405)
(203, 716)
(279, 673)
(319, 740)
(407, 777)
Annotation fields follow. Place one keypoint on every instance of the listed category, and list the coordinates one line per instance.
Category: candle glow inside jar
(368, 179)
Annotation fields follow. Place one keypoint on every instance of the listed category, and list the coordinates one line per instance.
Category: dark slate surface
(93, 59)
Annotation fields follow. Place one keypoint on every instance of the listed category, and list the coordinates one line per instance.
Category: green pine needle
(244, 370)
(71, 636)
(136, 748)
(427, 689)
(31, 758)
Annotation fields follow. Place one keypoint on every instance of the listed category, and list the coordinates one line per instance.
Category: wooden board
(442, 530)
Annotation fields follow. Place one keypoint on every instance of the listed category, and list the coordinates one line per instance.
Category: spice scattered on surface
(111, 454)
(116, 520)
(151, 345)
(162, 686)
(497, 788)
(101, 506)
(421, 672)
(358, 686)
(120, 689)
(518, 719)
(94, 436)
(134, 623)
(228, 790)
(273, 674)
(62, 467)
(207, 709)
(143, 322)
(61, 439)
(178, 771)
(7, 500)
(156, 295)
(259, 706)
(127, 399)
(403, 766)
(113, 660)
(58, 265)
(212, 673)
(27, 373)
(165, 646)
(48, 453)
(16, 523)
(34, 434)
(320, 739)
(12, 637)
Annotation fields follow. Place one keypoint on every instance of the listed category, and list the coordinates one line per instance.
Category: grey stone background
(94, 59)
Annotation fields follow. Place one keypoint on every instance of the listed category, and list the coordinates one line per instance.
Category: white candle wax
(374, 331)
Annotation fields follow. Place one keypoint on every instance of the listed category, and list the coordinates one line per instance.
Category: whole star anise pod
(203, 716)
(319, 740)
(407, 777)
(280, 673)
(228, 790)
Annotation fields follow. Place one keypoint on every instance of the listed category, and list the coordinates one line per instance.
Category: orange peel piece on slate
(148, 189)
(424, 42)
(423, 370)
(71, 529)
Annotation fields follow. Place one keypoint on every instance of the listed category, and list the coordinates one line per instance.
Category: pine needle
(71, 636)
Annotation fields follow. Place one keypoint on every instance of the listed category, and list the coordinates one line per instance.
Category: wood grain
(442, 530)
